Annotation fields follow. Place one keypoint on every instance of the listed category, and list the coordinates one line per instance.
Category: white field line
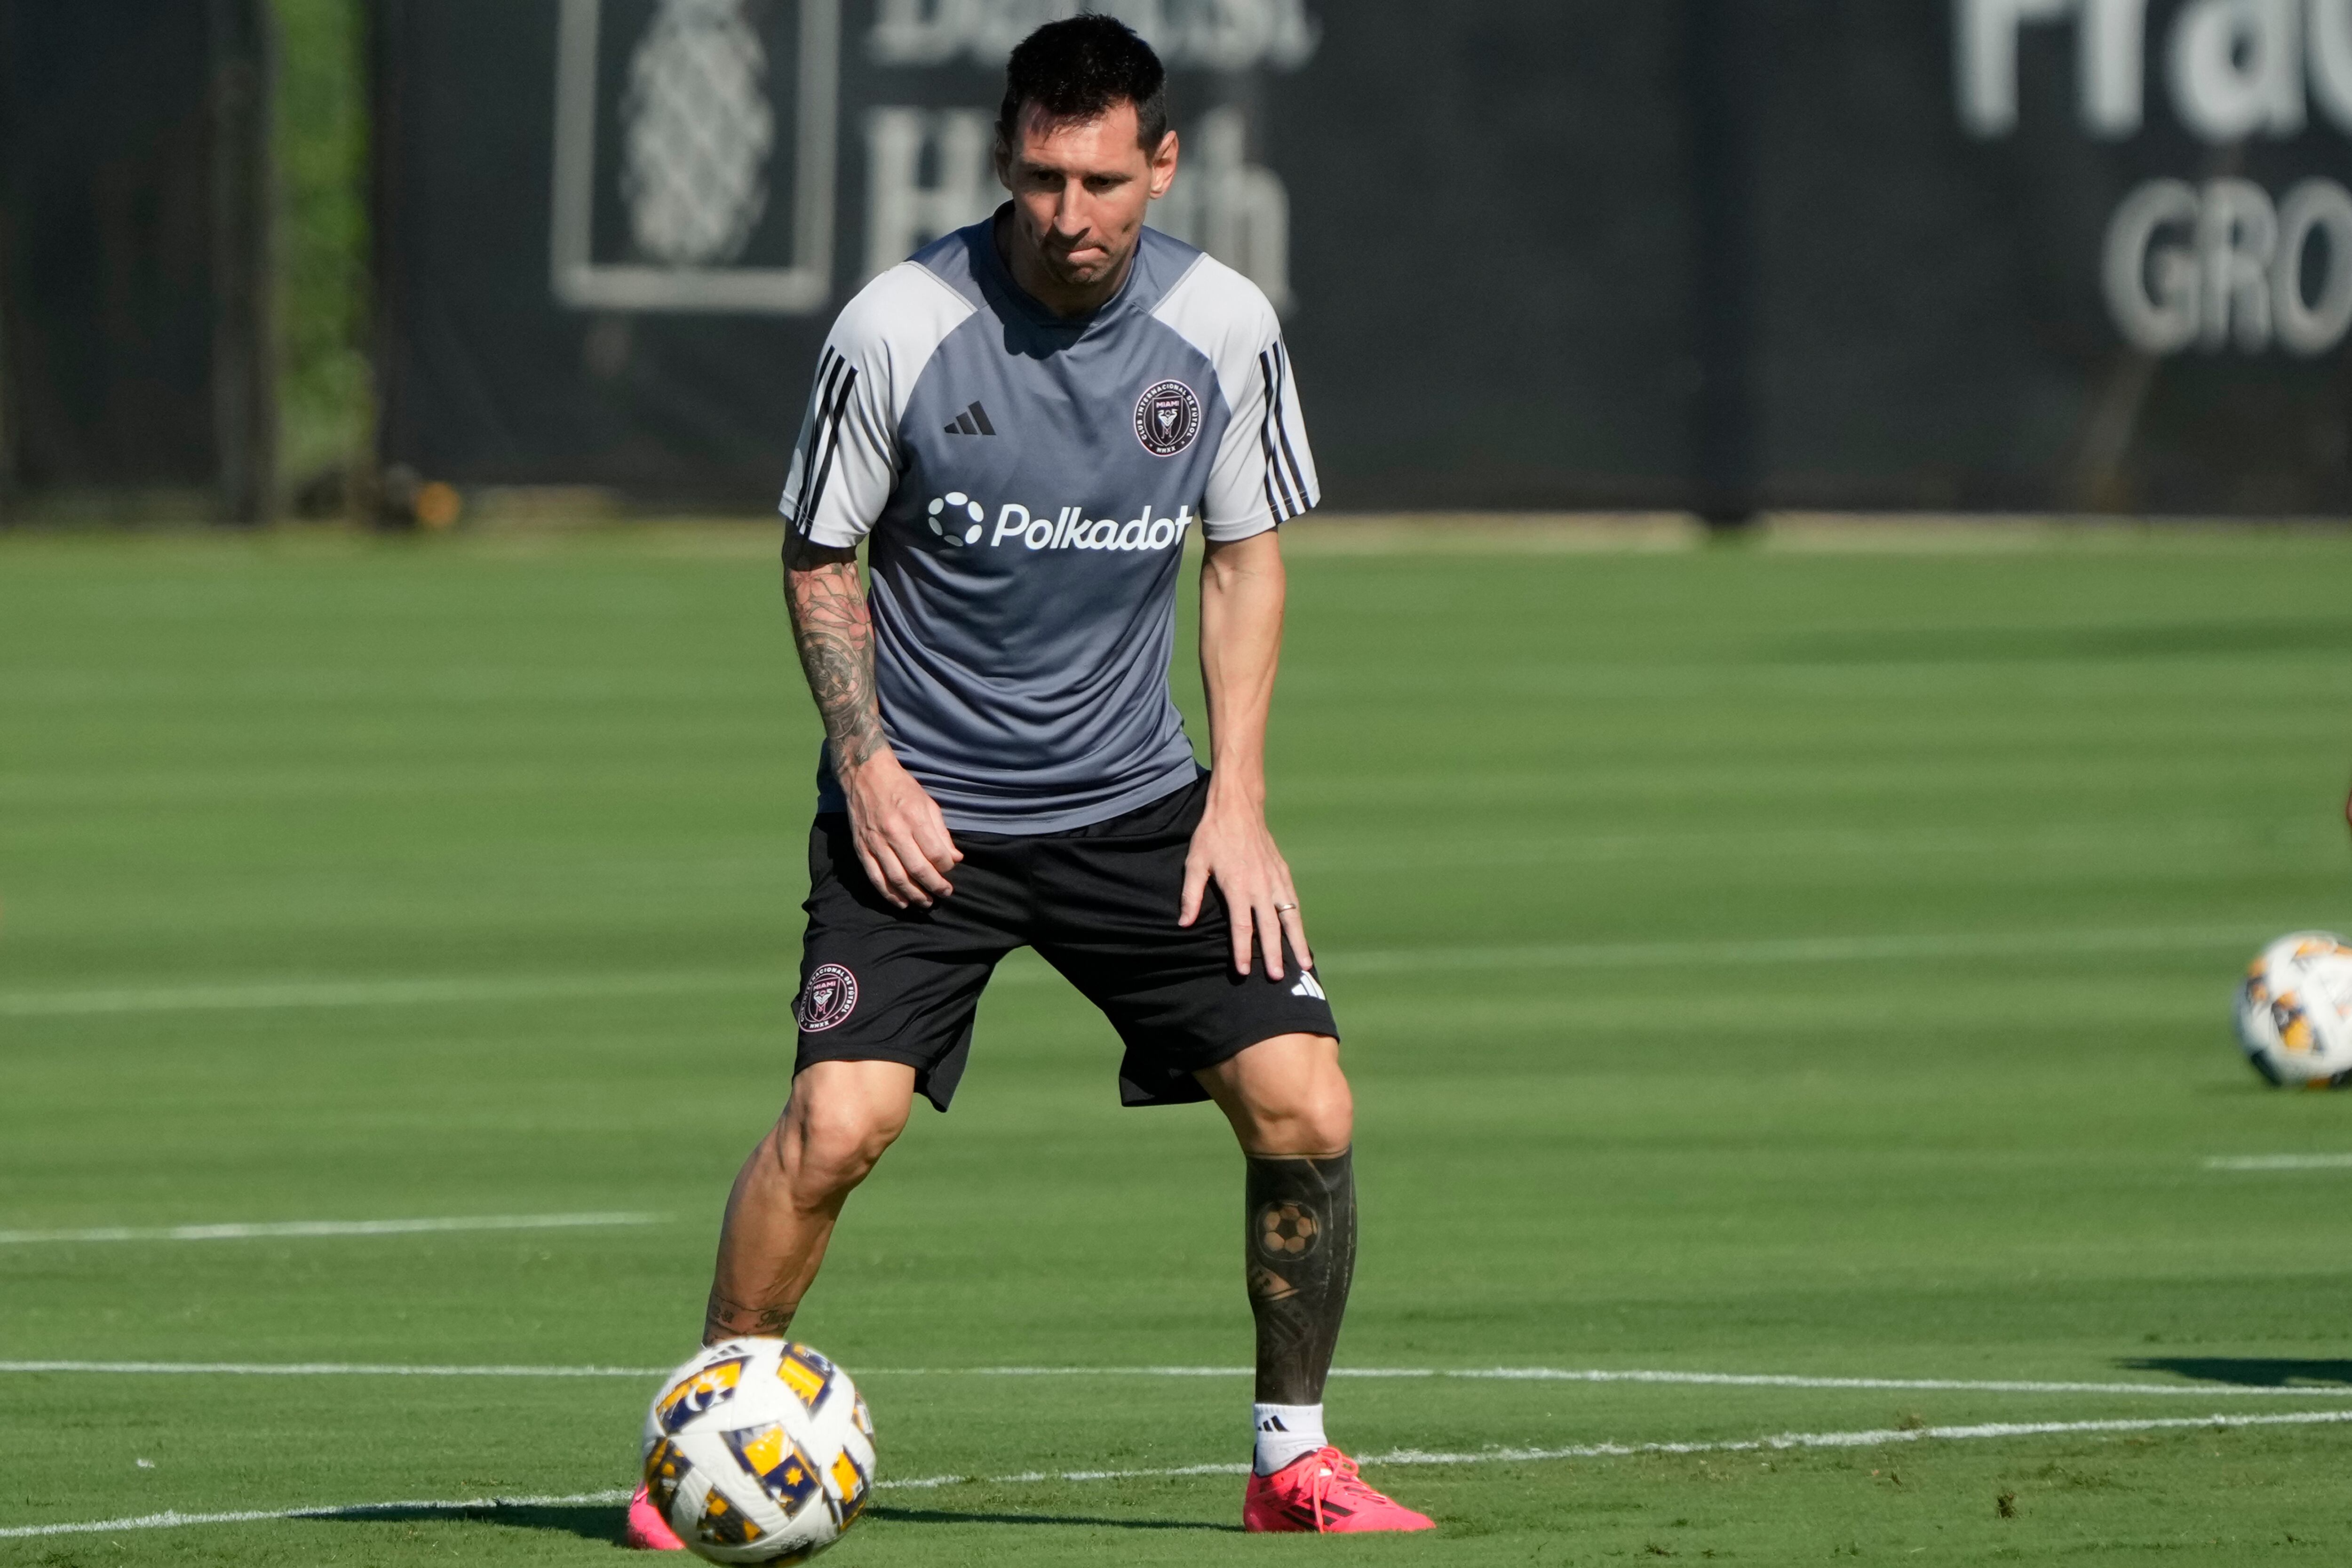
(323, 1369)
(2279, 1163)
(170, 1520)
(374, 993)
(1366, 960)
(1870, 1438)
(1482, 1374)
(1780, 1442)
(1792, 950)
(307, 1227)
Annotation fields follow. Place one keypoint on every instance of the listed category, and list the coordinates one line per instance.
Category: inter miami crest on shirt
(1166, 417)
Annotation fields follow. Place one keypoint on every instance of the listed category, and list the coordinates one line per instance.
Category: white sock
(1285, 1434)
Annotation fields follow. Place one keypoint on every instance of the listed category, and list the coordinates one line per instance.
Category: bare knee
(1286, 1096)
(827, 1148)
(1320, 1121)
(832, 1134)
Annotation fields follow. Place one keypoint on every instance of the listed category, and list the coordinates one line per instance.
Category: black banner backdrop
(1715, 253)
(134, 249)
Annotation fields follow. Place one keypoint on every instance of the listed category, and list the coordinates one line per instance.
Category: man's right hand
(900, 836)
(901, 839)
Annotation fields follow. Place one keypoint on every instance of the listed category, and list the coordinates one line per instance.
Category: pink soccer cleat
(1321, 1494)
(648, 1530)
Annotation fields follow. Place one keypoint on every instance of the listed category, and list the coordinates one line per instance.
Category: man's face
(1080, 188)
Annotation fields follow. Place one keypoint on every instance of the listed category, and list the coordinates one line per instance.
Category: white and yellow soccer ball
(2294, 1011)
(759, 1451)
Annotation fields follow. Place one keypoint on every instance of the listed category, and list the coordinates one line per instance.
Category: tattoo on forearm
(835, 635)
(1301, 1247)
(725, 1318)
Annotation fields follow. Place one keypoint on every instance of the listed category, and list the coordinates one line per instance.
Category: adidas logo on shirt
(972, 421)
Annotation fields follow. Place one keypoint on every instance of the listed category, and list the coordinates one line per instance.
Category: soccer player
(1023, 421)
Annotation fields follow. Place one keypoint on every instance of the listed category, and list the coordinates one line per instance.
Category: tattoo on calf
(1301, 1248)
(726, 1319)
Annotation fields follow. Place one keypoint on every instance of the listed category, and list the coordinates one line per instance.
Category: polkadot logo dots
(948, 525)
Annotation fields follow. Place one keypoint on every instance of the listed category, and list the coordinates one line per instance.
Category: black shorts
(1098, 903)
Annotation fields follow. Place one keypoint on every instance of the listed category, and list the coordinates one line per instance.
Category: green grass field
(1753, 960)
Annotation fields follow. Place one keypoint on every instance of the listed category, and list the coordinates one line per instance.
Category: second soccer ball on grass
(2294, 1011)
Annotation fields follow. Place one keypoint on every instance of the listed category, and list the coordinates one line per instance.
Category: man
(1023, 421)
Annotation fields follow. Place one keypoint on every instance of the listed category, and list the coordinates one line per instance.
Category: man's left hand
(1234, 846)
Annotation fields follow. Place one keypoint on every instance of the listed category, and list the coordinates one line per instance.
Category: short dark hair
(1079, 68)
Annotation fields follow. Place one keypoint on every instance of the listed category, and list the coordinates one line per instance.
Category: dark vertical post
(10, 202)
(386, 130)
(245, 384)
(7, 376)
(1724, 67)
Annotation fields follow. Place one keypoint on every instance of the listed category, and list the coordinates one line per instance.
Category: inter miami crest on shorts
(829, 998)
(1099, 904)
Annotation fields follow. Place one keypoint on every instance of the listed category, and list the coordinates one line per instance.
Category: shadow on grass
(589, 1521)
(2248, 1372)
(605, 1521)
(948, 1516)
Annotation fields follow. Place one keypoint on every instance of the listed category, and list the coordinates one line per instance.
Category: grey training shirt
(1028, 481)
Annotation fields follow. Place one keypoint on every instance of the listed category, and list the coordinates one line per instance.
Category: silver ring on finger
(1280, 908)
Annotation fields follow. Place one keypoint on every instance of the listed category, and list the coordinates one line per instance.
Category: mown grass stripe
(2279, 1163)
(1339, 961)
(1483, 1375)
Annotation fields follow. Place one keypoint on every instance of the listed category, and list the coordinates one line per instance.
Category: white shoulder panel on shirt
(849, 438)
(1226, 317)
(893, 327)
